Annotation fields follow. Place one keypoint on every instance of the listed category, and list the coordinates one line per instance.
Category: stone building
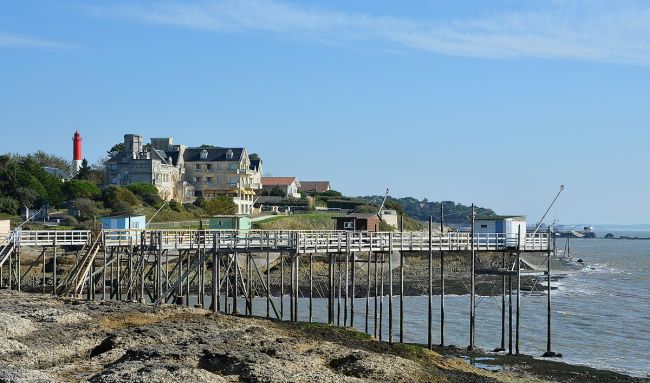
(157, 164)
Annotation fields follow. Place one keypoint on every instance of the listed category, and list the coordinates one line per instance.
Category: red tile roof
(278, 181)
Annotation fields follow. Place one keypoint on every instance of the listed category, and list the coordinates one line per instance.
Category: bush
(148, 193)
(119, 199)
(8, 205)
(176, 206)
(87, 208)
(219, 205)
(69, 221)
(74, 189)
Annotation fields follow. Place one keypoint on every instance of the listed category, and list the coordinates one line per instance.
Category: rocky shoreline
(46, 339)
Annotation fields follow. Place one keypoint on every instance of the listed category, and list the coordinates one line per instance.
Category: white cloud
(613, 31)
(17, 41)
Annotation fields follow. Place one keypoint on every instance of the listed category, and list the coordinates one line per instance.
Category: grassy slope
(313, 221)
(317, 221)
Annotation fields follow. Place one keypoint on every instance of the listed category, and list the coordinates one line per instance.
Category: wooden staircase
(74, 281)
(7, 248)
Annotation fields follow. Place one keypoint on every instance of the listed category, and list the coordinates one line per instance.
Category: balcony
(245, 171)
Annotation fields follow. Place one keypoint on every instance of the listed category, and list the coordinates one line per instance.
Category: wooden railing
(321, 241)
(53, 237)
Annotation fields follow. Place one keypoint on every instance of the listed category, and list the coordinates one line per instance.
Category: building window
(218, 179)
(197, 166)
(229, 154)
(208, 179)
(208, 166)
(204, 154)
(233, 166)
(197, 179)
(483, 226)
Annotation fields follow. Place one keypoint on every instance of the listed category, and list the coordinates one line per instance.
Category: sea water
(600, 315)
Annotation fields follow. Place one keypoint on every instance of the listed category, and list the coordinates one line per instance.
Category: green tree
(115, 149)
(277, 192)
(88, 208)
(119, 199)
(148, 193)
(8, 205)
(84, 170)
(219, 205)
(74, 189)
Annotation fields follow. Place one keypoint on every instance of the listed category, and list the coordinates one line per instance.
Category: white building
(506, 226)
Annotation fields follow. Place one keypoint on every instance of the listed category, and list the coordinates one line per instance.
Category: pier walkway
(297, 242)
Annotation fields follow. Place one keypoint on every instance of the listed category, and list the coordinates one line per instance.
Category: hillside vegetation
(314, 221)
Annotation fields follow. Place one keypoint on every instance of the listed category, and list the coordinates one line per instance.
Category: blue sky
(493, 102)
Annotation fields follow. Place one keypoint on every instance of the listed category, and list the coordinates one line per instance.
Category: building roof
(172, 157)
(279, 181)
(317, 186)
(214, 154)
(499, 217)
(57, 172)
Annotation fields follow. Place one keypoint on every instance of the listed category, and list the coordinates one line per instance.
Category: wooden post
(54, 263)
(390, 288)
(235, 306)
(368, 287)
(353, 273)
(430, 288)
(226, 307)
(518, 288)
(347, 286)
(442, 277)
(381, 298)
(103, 271)
(330, 302)
(268, 284)
(291, 286)
(281, 286)
(187, 282)
(472, 312)
(339, 290)
(311, 286)
(297, 294)
(215, 275)
(401, 280)
(509, 312)
(548, 352)
(158, 267)
(376, 328)
(179, 293)
(503, 303)
(43, 282)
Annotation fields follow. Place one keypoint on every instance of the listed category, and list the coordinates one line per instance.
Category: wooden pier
(171, 266)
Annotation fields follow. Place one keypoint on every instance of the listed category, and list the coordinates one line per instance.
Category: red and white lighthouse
(76, 152)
